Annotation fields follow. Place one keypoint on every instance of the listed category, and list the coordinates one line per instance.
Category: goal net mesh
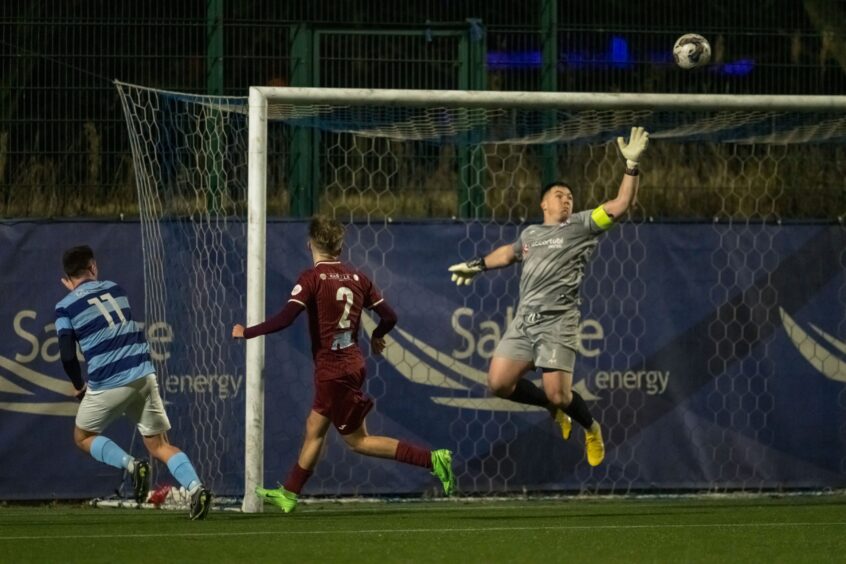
(386, 171)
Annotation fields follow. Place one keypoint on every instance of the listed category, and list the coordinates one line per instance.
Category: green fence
(64, 148)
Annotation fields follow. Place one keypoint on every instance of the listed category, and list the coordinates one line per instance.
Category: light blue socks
(105, 450)
(183, 471)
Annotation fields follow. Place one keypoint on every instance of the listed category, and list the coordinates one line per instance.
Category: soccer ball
(691, 50)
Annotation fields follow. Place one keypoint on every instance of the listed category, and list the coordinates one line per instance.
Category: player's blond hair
(326, 234)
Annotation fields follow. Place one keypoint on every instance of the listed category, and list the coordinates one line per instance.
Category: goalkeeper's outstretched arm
(464, 272)
(500, 257)
(627, 194)
(626, 197)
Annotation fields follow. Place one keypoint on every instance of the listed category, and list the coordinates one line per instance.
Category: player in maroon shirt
(334, 295)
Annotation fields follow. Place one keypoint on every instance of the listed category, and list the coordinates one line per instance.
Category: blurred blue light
(619, 52)
(741, 67)
(514, 59)
(660, 56)
(618, 55)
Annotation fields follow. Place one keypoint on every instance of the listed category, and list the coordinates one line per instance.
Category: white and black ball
(691, 50)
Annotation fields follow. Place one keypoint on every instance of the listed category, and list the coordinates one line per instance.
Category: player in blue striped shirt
(121, 378)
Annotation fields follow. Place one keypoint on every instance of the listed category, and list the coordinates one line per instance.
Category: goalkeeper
(543, 332)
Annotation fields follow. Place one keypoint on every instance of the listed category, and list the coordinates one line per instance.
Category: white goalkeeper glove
(638, 140)
(464, 272)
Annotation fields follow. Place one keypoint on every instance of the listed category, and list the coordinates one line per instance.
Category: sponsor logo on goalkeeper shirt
(553, 243)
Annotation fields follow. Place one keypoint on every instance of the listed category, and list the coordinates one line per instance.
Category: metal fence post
(303, 168)
(472, 52)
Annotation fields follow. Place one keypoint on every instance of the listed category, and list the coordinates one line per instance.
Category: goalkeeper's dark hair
(77, 260)
(326, 234)
(555, 184)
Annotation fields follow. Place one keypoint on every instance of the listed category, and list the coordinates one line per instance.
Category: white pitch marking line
(439, 531)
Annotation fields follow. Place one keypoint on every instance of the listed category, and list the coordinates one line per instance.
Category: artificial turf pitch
(759, 529)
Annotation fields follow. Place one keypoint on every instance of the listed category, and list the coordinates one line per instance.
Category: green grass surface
(761, 529)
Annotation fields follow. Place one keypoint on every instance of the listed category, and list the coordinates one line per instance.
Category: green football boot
(280, 497)
(442, 468)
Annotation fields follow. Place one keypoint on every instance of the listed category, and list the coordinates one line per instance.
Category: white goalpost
(310, 96)
(256, 274)
(476, 159)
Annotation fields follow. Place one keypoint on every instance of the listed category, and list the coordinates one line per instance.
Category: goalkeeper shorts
(547, 339)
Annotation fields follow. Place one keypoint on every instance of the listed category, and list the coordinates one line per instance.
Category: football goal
(215, 174)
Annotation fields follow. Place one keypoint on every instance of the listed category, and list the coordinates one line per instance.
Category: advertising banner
(714, 356)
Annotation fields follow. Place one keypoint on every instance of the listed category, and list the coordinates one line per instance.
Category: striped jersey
(334, 295)
(554, 259)
(97, 315)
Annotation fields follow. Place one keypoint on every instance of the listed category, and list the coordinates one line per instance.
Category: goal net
(679, 368)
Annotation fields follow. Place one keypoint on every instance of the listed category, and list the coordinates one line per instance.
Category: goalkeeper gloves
(464, 272)
(638, 140)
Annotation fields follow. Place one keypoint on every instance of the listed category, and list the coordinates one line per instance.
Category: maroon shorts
(342, 401)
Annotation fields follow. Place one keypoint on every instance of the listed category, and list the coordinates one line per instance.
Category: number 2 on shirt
(344, 294)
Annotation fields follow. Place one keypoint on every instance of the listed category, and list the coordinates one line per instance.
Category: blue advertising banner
(713, 355)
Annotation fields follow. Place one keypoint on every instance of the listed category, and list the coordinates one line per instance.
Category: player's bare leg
(438, 461)
(159, 447)
(286, 495)
(317, 426)
(83, 439)
(505, 380)
(368, 445)
(558, 386)
(504, 375)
